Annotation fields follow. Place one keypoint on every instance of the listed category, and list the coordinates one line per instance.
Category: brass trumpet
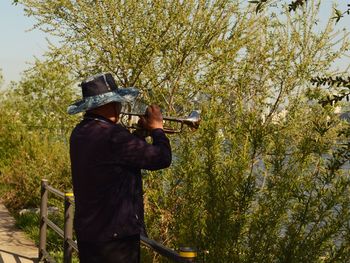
(176, 123)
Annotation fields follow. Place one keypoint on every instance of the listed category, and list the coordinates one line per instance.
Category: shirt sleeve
(135, 152)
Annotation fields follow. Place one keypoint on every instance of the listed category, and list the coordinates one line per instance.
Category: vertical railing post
(68, 228)
(43, 216)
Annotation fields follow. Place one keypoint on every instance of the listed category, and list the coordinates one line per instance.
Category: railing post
(68, 228)
(43, 216)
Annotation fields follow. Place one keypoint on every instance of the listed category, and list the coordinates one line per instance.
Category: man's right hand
(153, 118)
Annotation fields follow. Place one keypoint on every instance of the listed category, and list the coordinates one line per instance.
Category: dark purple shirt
(106, 161)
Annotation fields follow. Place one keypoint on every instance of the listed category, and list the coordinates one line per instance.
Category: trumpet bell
(193, 120)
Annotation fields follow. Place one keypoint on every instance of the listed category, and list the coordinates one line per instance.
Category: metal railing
(67, 233)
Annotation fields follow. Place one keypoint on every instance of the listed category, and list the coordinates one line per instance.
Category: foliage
(294, 5)
(338, 14)
(259, 4)
(333, 82)
(33, 133)
(262, 180)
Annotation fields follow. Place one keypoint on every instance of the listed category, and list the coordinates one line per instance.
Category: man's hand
(153, 118)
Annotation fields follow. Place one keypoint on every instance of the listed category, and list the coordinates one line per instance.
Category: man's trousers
(121, 250)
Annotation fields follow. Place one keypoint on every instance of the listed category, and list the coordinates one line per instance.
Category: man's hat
(99, 90)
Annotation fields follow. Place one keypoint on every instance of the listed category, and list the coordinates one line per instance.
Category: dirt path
(15, 247)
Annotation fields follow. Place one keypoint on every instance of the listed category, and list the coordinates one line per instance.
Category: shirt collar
(93, 116)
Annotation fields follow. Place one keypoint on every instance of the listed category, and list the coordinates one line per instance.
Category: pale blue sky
(18, 46)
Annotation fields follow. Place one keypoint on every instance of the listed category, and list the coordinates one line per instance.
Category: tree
(262, 180)
(294, 5)
(320, 80)
(34, 132)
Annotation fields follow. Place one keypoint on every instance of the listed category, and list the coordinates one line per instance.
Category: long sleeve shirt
(106, 163)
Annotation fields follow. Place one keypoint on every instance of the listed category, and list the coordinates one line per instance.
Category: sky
(19, 46)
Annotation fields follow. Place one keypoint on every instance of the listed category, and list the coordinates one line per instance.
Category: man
(106, 163)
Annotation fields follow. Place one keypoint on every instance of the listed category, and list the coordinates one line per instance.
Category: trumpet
(171, 124)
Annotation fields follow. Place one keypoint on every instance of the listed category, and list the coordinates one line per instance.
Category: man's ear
(118, 108)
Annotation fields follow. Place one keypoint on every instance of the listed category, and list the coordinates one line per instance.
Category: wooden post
(68, 228)
(43, 216)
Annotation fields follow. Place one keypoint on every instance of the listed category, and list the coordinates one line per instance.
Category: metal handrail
(162, 250)
(67, 232)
